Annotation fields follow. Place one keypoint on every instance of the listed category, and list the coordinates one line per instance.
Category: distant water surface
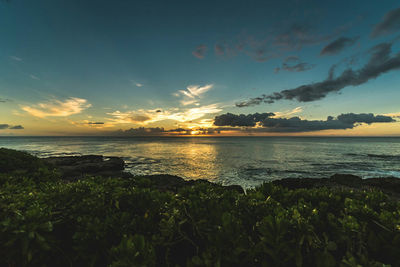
(248, 161)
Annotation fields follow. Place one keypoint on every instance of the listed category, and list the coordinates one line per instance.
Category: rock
(78, 166)
(346, 179)
(166, 182)
(388, 185)
(294, 183)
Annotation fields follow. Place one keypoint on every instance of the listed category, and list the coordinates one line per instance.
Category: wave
(376, 156)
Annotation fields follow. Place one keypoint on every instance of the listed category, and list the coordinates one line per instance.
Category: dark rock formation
(75, 167)
(166, 182)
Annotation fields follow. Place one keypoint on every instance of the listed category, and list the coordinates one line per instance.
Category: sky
(296, 67)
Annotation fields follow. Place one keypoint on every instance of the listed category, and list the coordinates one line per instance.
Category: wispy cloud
(16, 58)
(143, 117)
(34, 77)
(390, 23)
(338, 45)
(293, 64)
(287, 113)
(200, 51)
(193, 93)
(4, 100)
(10, 127)
(393, 115)
(57, 108)
(137, 84)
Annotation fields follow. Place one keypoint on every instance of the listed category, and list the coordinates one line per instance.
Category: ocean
(248, 161)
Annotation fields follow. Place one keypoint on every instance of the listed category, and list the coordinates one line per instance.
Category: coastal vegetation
(46, 220)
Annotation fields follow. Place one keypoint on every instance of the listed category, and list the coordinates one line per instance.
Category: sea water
(248, 161)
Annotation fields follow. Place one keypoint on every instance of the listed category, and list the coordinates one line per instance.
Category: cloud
(140, 116)
(141, 131)
(390, 23)
(338, 45)
(302, 34)
(144, 117)
(57, 108)
(137, 84)
(393, 115)
(233, 120)
(16, 127)
(200, 51)
(268, 123)
(293, 64)
(34, 77)
(5, 100)
(380, 62)
(193, 93)
(7, 126)
(288, 112)
(159, 131)
(95, 123)
(16, 58)
(219, 49)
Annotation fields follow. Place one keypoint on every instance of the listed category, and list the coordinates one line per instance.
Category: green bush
(125, 222)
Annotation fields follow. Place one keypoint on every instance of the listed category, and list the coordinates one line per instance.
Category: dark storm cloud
(380, 62)
(230, 119)
(338, 45)
(295, 124)
(200, 51)
(369, 118)
(390, 23)
(293, 64)
(7, 126)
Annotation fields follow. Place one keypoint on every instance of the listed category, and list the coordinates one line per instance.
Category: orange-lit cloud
(393, 115)
(144, 117)
(287, 113)
(57, 108)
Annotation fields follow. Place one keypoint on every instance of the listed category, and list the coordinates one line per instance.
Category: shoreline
(73, 167)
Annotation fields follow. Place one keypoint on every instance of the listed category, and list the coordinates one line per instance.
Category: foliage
(125, 222)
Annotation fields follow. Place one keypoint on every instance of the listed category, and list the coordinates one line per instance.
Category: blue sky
(126, 64)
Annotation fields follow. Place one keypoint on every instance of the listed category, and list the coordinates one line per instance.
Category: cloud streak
(193, 93)
(57, 108)
(293, 64)
(144, 117)
(338, 45)
(16, 58)
(10, 127)
(266, 122)
(200, 51)
(390, 24)
(4, 100)
(380, 62)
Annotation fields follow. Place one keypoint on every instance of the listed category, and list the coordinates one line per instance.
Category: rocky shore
(75, 167)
